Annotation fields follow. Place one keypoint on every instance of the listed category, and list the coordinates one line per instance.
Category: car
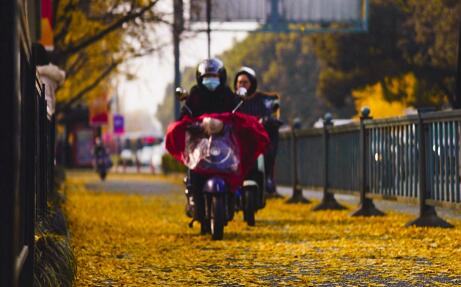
(127, 157)
(145, 155)
(157, 154)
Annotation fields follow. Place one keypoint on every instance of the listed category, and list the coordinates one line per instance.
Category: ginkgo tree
(417, 38)
(93, 38)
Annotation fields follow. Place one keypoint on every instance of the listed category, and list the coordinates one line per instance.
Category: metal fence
(26, 157)
(416, 158)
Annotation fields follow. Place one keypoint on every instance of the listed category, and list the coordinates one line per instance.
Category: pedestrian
(139, 147)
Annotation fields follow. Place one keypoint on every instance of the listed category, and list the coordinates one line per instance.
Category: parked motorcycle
(221, 148)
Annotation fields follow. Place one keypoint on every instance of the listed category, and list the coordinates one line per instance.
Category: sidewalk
(383, 205)
(132, 231)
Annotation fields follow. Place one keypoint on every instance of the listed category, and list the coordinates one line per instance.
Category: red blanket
(250, 135)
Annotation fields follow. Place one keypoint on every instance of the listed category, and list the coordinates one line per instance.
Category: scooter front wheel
(217, 220)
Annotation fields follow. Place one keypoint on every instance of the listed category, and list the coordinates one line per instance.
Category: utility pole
(178, 27)
(457, 100)
(274, 17)
(208, 22)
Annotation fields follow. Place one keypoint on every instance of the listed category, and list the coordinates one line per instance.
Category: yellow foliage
(372, 97)
(140, 240)
(91, 61)
(100, 56)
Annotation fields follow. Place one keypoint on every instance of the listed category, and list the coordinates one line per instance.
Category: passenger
(265, 107)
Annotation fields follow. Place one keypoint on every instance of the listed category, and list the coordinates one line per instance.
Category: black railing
(26, 147)
(416, 158)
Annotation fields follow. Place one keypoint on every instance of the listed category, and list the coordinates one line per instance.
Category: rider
(211, 94)
(100, 154)
(99, 151)
(259, 104)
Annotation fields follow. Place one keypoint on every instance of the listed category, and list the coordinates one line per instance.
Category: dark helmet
(251, 74)
(212, 66)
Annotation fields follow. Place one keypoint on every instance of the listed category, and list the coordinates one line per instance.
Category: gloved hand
(195, 129)
(212, 126)
(271, 123)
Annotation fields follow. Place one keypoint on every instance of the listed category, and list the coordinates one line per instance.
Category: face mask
(211, 83)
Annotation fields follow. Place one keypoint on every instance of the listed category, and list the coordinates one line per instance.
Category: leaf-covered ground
(124, 239)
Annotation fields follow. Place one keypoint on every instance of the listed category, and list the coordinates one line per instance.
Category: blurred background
(123, 60)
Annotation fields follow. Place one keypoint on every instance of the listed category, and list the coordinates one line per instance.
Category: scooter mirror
(181, 94)
(275, 106)
(242, 92)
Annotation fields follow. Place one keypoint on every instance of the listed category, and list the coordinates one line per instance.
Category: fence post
(457, 100)
(367, 207)
(52, 157)
(43, 157)
(328, 201)
(47, 156)
(297, 196)
(427, 215)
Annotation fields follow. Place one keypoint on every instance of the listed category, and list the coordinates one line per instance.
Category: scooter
(102, 162)
(259, 184)
(211, 151)
(101, 168)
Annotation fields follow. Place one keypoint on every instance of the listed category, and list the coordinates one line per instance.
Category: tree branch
(56, 4)
(81, 94)
(450, 95)
(67, 105)
(64, 30)
(78, 64)
(65, 18)
(71, 48)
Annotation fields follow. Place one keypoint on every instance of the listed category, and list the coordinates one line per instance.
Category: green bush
(55, 264)
(171, 165)
(54, 196)
(59, 176)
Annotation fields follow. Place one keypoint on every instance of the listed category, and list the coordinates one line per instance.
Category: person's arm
(189, 106)
(185, 110)
(233, 99)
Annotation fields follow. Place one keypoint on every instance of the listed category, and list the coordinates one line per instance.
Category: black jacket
(259, 105)
(202, 101)
(99, 151)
